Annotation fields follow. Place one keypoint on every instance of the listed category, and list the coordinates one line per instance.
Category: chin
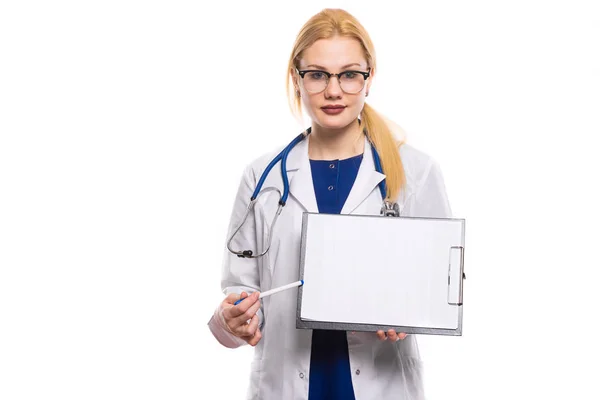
(334, 122)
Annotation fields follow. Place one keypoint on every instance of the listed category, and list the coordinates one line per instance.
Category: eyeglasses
(351, 82)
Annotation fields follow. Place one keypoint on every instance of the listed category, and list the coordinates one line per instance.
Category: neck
(335, 144)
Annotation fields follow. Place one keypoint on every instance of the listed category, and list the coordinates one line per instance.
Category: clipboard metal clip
(459, 277)
(390, 209)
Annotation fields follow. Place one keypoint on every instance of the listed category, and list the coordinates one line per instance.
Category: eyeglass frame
(366, 76)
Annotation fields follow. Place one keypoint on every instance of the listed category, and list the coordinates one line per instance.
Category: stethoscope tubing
(282, 156)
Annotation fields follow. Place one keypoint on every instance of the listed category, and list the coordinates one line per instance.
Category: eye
(317, 75)
(350, 75)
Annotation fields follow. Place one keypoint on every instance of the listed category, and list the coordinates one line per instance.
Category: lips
(333, 110)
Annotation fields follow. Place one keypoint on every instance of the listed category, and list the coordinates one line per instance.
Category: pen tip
(301, 282)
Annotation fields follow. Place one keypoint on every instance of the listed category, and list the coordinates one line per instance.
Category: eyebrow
(323, 68)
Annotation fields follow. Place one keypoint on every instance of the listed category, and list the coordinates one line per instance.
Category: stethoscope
(388, 209)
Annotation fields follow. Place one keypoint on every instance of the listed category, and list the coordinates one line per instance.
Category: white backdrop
(125, 126)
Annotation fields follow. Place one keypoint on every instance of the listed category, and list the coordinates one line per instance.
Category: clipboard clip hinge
(390, 209)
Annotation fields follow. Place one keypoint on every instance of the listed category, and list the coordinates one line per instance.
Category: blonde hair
(335, 22)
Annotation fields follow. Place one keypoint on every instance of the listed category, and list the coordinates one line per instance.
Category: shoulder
(417, 166)
(259, 164)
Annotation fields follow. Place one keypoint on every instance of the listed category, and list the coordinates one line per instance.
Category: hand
(392, 335)
(236, 317)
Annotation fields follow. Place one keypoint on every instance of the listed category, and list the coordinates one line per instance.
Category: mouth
(333, 109)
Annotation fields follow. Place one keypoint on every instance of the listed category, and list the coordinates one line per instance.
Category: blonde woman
(332, 169)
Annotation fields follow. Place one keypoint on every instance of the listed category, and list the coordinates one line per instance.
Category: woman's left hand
(392, 335)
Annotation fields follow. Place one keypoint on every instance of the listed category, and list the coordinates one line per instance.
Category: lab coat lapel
(366, 181)
(300, 177)
(301, 183)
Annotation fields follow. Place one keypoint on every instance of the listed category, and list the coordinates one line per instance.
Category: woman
(331, 170)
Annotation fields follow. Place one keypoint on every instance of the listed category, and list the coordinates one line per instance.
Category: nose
(333, 89)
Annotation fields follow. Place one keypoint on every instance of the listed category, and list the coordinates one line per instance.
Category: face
(333, 55)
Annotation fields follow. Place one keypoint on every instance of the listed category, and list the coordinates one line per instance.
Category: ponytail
(380, 135)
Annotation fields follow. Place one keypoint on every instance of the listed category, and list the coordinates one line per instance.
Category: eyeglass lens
(350, 82)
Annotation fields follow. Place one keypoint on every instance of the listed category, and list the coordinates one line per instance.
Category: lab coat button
(330, 187)
(332, 166)
(301, 375)
(358, 372)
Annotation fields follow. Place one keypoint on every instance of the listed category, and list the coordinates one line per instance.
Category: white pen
(276, 290)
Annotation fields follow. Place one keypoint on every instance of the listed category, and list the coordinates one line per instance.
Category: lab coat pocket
(255, 375)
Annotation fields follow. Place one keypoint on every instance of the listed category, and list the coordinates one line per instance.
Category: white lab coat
(281, 367)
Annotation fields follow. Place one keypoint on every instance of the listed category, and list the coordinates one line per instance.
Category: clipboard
(369, 273)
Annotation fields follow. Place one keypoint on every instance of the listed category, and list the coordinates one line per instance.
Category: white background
(125, 126)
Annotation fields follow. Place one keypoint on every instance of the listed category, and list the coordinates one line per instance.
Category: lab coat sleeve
(239, 274)
(430, 198)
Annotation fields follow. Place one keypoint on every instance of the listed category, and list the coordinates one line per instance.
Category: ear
(295, 79)
(370, 80)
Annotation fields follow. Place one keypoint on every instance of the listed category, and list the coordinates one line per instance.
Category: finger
(229, 303)
(392, 335)
(243, 319)
(227, 306)
(231, 298)
(402, 335)
(381, 335)
(241, 308)
(248, 330)
(252, 307)
(256, 338)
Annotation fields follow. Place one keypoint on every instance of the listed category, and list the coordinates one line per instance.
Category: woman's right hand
(236, 317)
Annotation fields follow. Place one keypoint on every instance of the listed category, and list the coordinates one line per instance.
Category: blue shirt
(330, 375)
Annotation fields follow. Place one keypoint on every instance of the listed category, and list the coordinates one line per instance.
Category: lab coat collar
(301, 183)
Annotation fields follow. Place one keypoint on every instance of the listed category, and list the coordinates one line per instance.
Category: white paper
(383, 271)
